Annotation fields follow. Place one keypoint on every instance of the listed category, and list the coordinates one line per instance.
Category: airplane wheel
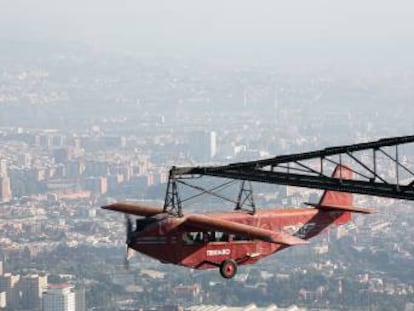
(228, 268)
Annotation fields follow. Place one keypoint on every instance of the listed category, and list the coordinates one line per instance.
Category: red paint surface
(163, 239)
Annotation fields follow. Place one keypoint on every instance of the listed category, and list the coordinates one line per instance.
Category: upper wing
(272, 236)
(210, 223)
(134, 209)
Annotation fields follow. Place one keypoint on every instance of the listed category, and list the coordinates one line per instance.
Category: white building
(203, 145)
(3, 303)
(59, 297)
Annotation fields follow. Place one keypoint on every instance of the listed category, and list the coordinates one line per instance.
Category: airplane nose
(129, 230)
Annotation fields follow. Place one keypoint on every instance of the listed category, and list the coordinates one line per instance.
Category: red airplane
(225, 240)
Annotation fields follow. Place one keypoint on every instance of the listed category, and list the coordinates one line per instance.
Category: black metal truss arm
(321, 182)
(298, 173)
(330, 151)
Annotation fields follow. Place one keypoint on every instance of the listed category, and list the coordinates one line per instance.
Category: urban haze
(99, 99)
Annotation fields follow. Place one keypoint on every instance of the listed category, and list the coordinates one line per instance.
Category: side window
(191, 238)
(218, 236)
(199, 237)
(241, 237)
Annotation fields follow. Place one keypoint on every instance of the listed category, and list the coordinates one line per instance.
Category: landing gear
(228, 268)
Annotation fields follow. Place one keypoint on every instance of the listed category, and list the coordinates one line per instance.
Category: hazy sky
(308, 30)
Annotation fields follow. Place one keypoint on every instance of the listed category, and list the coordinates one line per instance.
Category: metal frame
(300, 170)
(245, 198)
(172, 203)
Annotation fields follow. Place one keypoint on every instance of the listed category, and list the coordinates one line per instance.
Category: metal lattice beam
(298, 170)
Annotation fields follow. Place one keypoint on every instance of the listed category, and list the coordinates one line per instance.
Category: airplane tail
(331, 199)
(337, 197)
(340, 201)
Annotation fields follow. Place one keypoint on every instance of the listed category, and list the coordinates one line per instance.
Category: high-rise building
(5, 190)
(24, 160)
(62, 155)
(203, 145)
(58, 140)
(97, 184)
(44, 140)
(59, 297)
(96, 168)
(8, 284)
(31, 289)
(74, 168)
(213, 144)
(80, 302)
(3, 168)
(3, 301)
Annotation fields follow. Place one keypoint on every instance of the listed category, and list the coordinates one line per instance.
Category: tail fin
(335, 197)
(340, 201)
(330, 198)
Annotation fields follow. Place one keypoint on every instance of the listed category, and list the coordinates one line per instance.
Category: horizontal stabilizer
(231, 227)
(343, 208)
(134, 209)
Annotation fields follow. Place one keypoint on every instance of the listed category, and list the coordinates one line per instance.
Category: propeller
(129, 231)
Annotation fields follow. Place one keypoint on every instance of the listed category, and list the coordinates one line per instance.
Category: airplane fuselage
(171, 240)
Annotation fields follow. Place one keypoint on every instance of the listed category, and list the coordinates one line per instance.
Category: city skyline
(99, 99)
